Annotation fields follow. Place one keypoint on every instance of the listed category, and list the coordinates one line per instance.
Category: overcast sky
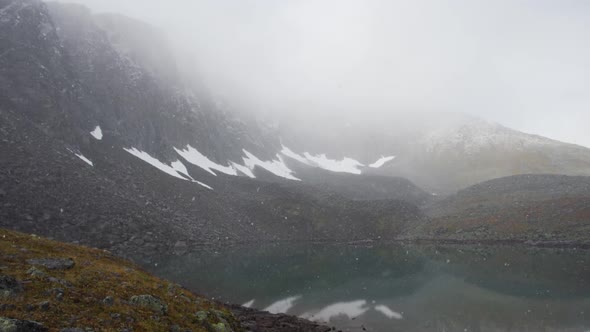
(523, 63)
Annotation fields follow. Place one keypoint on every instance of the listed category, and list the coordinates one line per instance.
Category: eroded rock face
(14, 325)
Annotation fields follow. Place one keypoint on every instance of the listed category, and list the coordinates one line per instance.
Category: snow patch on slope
(175, 169)
(97, 133)
(244, 170)
(202, 184)
(351, 310)
(346, 165)
(382, 161)
(154, 162)
(179, 167)
(196, 158)
(282, 306)
(277, 167)
(289, 153)
(388, 312)
(248, 304)
(86, 160)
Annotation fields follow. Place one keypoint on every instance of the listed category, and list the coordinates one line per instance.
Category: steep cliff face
(35, 76)
(63, 67)
(111, 146)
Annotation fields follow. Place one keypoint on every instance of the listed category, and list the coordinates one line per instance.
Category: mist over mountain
(108, 90)
(376, 58)
(261, 152)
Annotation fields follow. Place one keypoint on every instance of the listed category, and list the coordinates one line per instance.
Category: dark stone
(149, 302)
(6, 307)
(35, 272)
(108, 301)
(180, 248)
(53, 263)
(44, 305)
(15, 325)
(9, 286)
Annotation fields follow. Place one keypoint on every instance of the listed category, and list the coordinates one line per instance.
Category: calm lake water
(400, 288)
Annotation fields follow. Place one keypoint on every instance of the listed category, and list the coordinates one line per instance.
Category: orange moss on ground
(97, 275)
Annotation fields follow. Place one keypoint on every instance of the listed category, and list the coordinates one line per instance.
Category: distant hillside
(537, 208)
(440, 152)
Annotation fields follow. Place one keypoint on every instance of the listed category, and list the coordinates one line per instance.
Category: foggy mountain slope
(148, 100)
(98, 154)
(442, 153)
(133, 82)
(137, 155)
(125, 205)
(361, 187)
(518, 189)
(119, 76)
(138, 93)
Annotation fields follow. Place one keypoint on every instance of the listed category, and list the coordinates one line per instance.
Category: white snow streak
(97, 133)
(349, 309)
(179, 167)
(388, 312)
(194, 157)
(248, 304)
(382, 161)
(86, 160)
(289, 153)
(277, 167)
(154, 162)
(243, 169)
(282, 306)
(202, 184)
(346, 165)
(176, 169)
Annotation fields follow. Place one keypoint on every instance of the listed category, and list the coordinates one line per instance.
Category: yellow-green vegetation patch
(67, 286)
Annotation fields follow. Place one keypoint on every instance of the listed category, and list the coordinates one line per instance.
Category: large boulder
(15, 325)
(53, 263)
(149, 302)
(9, 286)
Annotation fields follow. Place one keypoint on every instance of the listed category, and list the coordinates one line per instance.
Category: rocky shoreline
(565, 244)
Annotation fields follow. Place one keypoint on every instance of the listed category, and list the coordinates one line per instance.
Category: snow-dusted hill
(440, 152)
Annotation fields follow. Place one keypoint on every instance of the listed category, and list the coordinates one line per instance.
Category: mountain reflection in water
(400, 288)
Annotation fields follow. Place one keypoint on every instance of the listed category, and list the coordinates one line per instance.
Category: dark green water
(400, 288)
